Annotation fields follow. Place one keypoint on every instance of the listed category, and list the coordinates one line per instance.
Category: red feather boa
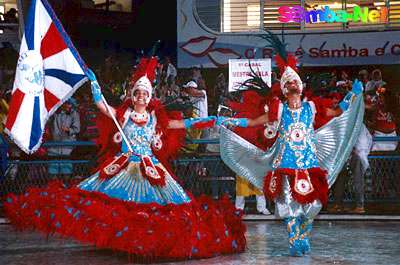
(199, 229)
(251, 106)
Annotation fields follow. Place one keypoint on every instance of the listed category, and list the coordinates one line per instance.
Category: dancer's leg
(293, 229)
(262, 205)
(292, 213)
(305, 234)
(239, 202)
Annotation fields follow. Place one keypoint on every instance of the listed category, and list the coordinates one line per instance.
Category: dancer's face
(292, 87)
(140, 97)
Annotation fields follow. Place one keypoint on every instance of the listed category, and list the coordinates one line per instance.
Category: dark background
(99, 33)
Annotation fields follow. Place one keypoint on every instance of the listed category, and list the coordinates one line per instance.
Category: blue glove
(356, 90)
(200, 122)
(236, 122)
(96, 90)
(357, 87)
(91, 75)
(345, 103)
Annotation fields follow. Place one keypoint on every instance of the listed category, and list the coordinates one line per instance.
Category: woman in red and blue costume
(132, 202)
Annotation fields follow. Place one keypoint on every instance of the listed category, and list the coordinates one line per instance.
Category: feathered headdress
(286, 62)
(144, 76)
(256, 83)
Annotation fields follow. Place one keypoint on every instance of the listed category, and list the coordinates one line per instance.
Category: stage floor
(333, 242)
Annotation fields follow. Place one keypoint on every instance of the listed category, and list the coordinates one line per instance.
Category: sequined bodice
(140, 137)
(296, 140)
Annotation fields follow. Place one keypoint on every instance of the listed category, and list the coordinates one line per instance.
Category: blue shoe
(293, 228)
(305, 232)
(295, 249)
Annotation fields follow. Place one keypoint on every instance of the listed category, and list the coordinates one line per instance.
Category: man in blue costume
(297, 171)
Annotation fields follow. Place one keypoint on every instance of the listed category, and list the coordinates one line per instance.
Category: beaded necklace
(139, 118)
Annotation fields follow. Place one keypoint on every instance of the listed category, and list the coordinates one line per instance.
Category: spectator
(332, 79)
(199, 97)
(375, 83)
(65, 126)
(3, 113)
(246, 189)
(87, 115)
(200, 109)
(221, 85)
(322, 89)
(8, 64)
(88, 4)
(170, 70)
(358, 164)
(220, 90)
(344, 84)
(383, 123)
(169, 91)
(363, 76)
(196, 74)
(11, 16)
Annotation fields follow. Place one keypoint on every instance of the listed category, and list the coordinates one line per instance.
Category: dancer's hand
(357, 87)
(96, 90)
(91, 75)
(356, 90)
(345, 103)
(233, 122)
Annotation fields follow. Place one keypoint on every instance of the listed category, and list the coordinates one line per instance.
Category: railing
(200, 173)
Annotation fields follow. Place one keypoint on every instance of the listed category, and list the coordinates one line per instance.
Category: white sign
(240, 70)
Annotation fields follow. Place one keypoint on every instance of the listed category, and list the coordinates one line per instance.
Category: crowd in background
(196, 95)
(188, 91)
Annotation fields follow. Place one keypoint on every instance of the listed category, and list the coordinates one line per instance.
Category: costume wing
(244, 158)
(336, 139)
(335, 142)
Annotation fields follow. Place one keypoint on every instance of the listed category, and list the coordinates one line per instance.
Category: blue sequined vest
(140, 138)
(296, 140)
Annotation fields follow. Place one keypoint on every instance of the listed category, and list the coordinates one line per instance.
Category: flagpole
(116, 123)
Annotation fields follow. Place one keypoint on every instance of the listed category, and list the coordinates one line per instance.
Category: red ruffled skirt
(199, 229)
(307, 185)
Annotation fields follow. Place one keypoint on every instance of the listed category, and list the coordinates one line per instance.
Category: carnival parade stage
(334, 241)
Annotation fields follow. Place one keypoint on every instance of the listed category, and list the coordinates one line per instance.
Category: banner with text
(240, 70)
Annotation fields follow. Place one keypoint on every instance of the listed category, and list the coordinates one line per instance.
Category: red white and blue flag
(49, 71)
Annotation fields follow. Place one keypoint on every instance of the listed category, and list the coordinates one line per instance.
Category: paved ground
(333, 242)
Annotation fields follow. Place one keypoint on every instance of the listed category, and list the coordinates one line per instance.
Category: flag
(49, 70)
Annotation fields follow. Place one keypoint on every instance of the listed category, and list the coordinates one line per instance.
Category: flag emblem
(49, 70)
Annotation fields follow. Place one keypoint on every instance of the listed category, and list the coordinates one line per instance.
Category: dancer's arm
(98, 96)
(333, 112)
(243, 122)
(196, 123)
(344, 105)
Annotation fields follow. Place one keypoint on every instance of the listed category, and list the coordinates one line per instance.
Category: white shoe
(239, 202)
(261, 205)
(264, 212)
